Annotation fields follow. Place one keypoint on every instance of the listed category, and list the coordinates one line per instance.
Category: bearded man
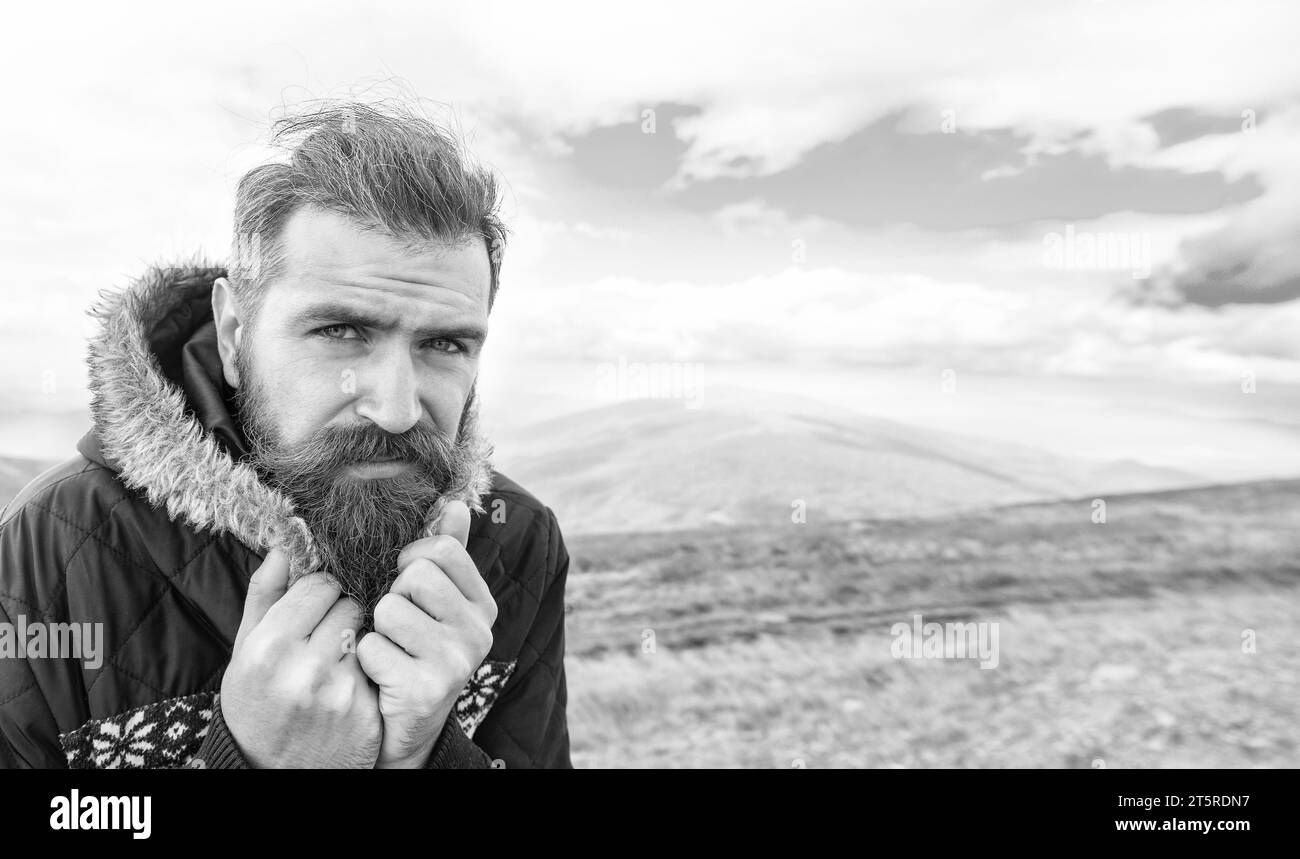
(284, 515)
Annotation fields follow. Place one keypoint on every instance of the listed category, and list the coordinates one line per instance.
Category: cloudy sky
(1085, 212)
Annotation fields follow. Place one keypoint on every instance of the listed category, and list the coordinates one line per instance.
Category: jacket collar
(164, 417)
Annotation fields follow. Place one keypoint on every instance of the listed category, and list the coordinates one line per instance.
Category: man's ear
(230, 329)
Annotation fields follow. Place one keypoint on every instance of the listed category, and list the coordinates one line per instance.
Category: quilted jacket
(153, 531)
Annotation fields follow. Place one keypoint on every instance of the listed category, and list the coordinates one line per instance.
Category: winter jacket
(153, 531)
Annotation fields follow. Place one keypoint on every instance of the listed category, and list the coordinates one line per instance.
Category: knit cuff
(456, 751)
(219, 750)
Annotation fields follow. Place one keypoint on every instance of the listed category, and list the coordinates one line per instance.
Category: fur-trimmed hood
(148, 432)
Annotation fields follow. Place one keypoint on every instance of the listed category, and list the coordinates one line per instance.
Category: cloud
(811, 316)
(1045, 70)
(1254, 257)
(883, 175)
(127, 144)
(754, 218)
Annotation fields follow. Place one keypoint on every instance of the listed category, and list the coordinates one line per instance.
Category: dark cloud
(1220, 285)
(1212, 291)
(626, 156)
(883, 175)
(1181, 124)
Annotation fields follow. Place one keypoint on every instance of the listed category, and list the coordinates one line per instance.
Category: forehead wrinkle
(356, 285)
(336, 254)
(326, 310)
(384, 283)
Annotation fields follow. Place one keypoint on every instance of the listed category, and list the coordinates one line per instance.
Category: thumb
(454, 521)
(265, 588)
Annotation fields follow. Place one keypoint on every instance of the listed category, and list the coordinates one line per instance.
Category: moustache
(334, 448)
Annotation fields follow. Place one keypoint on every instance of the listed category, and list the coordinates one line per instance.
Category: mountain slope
(742, 459)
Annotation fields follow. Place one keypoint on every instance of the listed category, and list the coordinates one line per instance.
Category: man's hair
(387, 168)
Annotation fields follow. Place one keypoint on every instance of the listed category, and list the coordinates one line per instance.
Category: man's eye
(337, 332)
(445, 346)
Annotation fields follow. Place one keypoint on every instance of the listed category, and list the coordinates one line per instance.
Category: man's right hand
(294, 694)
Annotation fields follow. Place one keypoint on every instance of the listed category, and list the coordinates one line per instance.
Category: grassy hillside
(1120, 642)
(657, 465)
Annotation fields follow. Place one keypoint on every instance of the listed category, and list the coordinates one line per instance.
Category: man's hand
(294, 694)
(432, 630)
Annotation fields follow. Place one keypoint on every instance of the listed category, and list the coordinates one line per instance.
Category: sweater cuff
(219, 750)
(456, 751)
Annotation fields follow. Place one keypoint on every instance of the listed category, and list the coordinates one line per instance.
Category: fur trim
(145, 429)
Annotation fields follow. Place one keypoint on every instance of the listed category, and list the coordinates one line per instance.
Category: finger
(408, 626)
(336, 633)
(454, 522)
(300, 610)
(352, 664)
(383, 662)
(266, 586)
(450, 557)
(432, 591)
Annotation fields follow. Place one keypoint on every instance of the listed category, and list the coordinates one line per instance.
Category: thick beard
(360, 525)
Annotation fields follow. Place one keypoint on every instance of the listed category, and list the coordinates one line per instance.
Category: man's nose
(389, 392)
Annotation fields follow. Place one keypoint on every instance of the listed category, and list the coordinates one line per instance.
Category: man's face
(355, 384)
(360, 329)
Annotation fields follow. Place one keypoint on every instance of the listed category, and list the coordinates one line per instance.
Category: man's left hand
(432, 630)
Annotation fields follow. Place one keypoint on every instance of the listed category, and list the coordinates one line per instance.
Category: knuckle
(422, 568)
(335, 701)
(343, 695)
(388, 610)
(481, 643)
(300, 691)
(414, 575)
(461, 665)
(445, 548)
(410, 554)
(258, 650)
(311, 586)
(353, 609)
(365, 650)
(318, 579)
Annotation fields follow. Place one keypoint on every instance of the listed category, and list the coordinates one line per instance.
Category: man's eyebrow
(336, 314)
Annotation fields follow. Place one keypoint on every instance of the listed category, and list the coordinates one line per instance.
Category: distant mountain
(35, 436)
(745, 458)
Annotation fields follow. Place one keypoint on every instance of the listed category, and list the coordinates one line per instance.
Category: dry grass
(1159, 682)
(1118, 644)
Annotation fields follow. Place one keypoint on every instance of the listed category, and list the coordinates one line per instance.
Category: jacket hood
(160, 422)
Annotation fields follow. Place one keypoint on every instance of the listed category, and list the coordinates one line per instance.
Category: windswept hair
(386, 167)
